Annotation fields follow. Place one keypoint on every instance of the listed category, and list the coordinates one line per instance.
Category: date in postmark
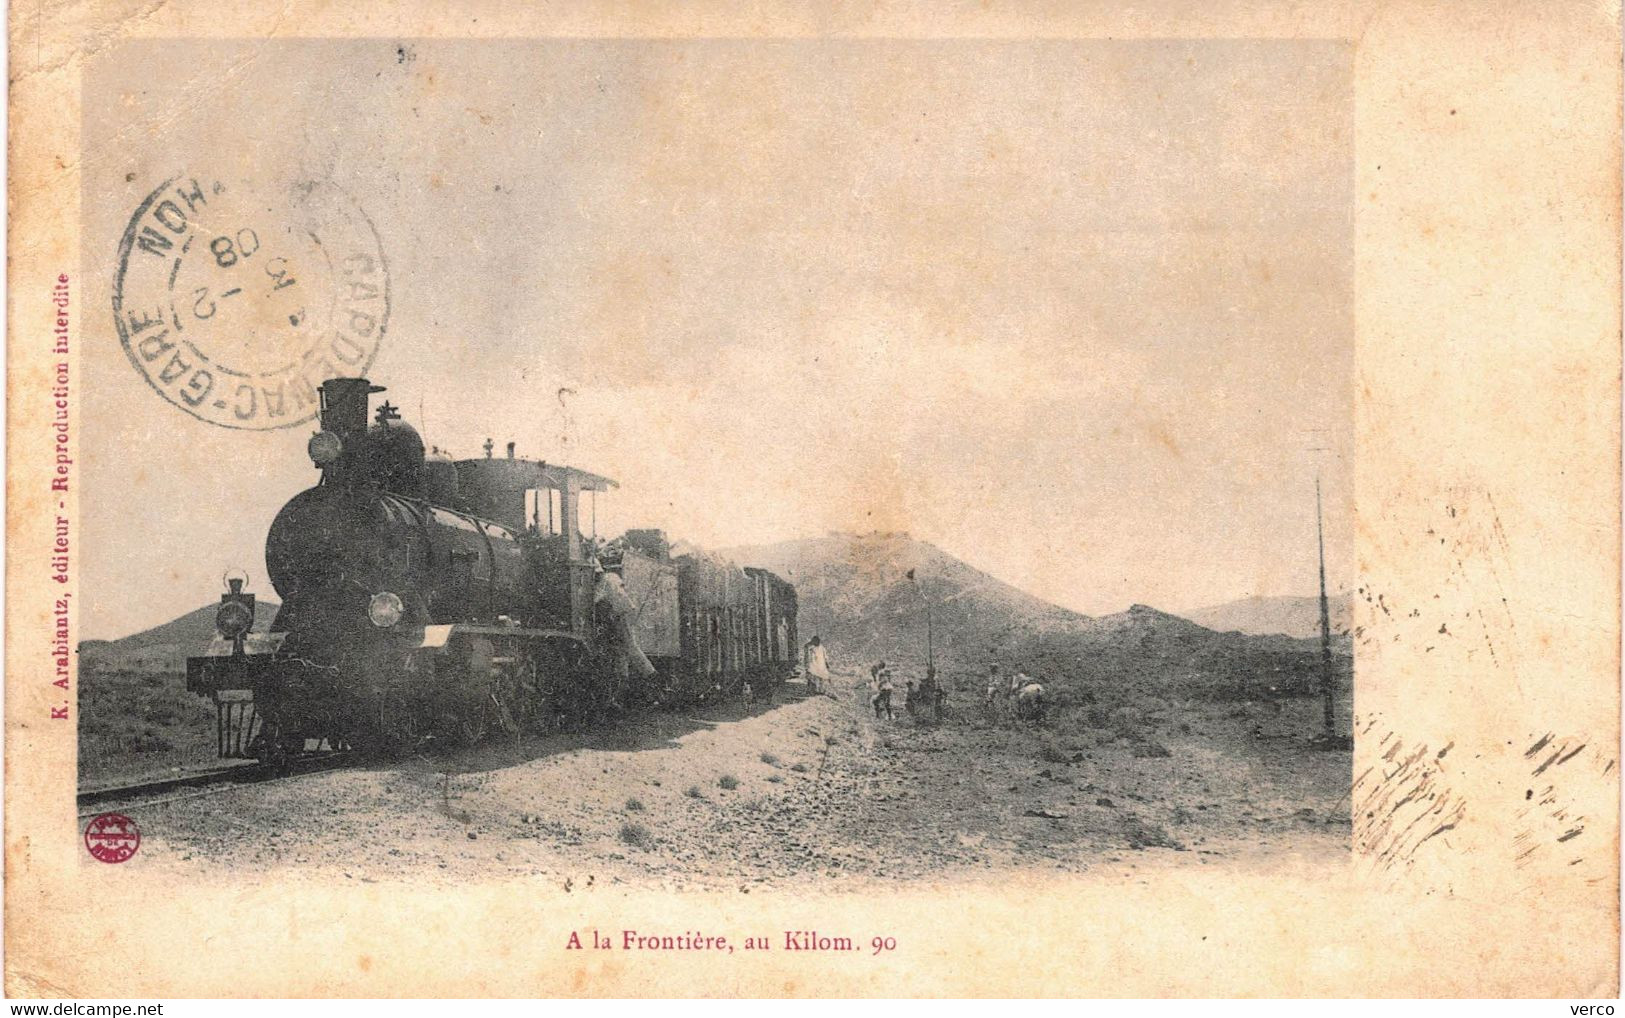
(235, 304)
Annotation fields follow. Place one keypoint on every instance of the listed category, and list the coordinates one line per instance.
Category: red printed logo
(112, 837)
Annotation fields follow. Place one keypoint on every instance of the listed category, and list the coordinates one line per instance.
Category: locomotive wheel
(544, 710)
(465, 729)
(473, 705)
(399, 730)
(529, 710)
(276, 754)
(272, 746)
(556, 690)
(338, 736)
(512, 700)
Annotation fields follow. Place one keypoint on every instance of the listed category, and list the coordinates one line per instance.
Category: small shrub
(1049, 752)
(1127, 723)
(769, 759)
(637, 836)
(1150, 748)
(1141, 834)
(634, 806)
(728, 781)
(693, 792)
(799, 768)
(776, 779)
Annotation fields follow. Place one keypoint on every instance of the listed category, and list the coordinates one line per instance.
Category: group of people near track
(1018, 696)
(923, 699)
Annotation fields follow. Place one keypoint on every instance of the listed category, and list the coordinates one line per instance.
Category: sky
(1077, 312)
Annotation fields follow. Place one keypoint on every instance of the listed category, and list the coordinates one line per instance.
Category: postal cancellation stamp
(235, 303)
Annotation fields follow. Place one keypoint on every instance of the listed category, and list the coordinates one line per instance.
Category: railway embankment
(811, 789)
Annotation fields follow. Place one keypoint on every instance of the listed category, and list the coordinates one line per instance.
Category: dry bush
(1049, 752)
(637, 835)
(1142, 834)
(1151, 748)
(728, 781)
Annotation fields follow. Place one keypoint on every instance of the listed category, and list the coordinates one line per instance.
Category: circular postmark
(112, 837)
(235, 305)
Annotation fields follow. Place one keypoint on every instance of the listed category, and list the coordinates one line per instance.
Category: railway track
(146, 794)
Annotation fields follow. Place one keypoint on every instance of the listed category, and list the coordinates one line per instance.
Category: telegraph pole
(930, 653)
(930, 656)
(1325, 619)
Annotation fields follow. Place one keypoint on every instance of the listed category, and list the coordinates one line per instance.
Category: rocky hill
(1144, 651)
(1287, 616)
(856, 592)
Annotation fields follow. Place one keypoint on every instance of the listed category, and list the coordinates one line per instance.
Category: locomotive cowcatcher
(425, 598)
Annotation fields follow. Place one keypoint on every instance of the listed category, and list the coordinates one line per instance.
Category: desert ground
(810, 789)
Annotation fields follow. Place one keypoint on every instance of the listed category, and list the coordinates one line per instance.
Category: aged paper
(1191, 435)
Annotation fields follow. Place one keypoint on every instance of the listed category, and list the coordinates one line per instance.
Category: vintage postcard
(605, 500)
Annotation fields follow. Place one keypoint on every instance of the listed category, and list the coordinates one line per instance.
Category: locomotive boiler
(425, 598)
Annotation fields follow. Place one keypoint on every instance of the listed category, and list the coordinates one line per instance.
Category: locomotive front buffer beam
(236, 675)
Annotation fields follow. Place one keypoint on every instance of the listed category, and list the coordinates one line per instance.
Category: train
(426, 599)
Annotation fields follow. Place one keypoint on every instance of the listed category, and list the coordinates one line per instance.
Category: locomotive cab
(541, 503)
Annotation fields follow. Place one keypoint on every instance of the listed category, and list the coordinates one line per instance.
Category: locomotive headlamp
(235, 616)
(324, 448)
(233, 619)
(385, 610)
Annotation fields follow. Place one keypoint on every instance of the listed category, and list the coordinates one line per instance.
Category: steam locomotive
(425, 598)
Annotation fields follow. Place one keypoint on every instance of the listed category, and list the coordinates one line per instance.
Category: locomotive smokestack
(344, 405)
(510, 450)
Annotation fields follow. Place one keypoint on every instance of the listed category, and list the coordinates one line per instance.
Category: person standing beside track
(883, 691)
(815, 664)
